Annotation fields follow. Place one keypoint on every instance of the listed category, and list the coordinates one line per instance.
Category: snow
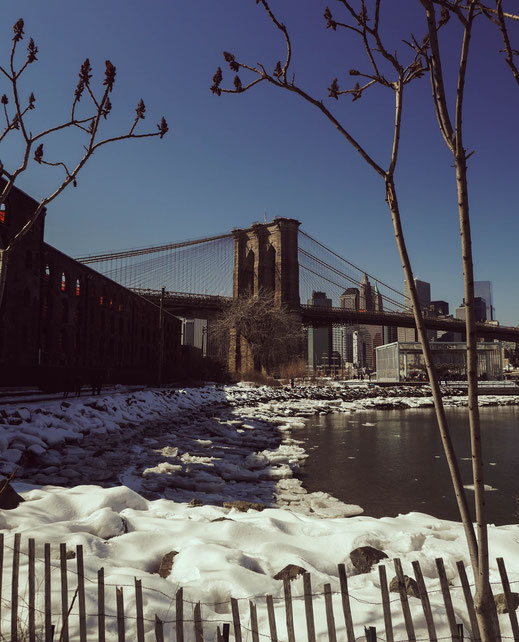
(117, 473)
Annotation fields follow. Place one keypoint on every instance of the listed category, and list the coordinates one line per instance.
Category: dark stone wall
(20, 311)
(60, 318)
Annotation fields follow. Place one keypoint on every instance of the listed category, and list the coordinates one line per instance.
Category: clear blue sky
(226, 160)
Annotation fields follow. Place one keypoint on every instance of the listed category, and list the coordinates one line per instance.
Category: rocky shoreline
(212, 444)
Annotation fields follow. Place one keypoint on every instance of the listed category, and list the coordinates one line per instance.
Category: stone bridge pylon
(265, 260)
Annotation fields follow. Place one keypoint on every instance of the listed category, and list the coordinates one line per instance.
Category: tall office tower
(320, 339)
(369, 336)
(366, 294)
(480, 310)
(349, 299)
(460, 312)
(483, 289)
(378, 303)
(423, 290)
(343, 334)
(342, 343)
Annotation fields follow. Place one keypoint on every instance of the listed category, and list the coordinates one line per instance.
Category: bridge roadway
(188, 304)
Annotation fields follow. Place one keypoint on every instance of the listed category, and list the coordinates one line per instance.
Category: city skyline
(227, 160)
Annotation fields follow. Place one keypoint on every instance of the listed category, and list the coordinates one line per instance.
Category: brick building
(60, 318)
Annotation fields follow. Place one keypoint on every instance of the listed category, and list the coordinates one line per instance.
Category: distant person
(96, 383)
(77, 385)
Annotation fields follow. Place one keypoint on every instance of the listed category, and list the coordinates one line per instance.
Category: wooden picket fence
(47, 631)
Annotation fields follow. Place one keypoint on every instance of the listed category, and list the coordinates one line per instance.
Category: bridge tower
(265, 259)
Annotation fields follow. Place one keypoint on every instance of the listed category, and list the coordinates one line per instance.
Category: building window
(2, 213)
(100, 300)
(63, 282)
(47, 272)
(78, 287)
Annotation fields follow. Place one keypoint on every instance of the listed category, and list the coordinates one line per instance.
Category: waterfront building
(403, 361)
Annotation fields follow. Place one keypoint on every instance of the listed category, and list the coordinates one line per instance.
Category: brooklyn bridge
(201, 276)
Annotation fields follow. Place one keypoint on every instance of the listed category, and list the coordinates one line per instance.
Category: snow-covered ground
(116, 473)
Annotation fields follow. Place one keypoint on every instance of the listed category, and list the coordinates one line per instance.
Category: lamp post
(161, 335)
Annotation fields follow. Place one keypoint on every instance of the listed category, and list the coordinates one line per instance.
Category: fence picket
(309, 609)
(330, 620)
(48, 595)
(476, 635)
(447, 600)
(508, 597)
(456, 630)
(14, 588)
(346, 603)
(388, 625)
(119, 596)
(226, 631)
(236, 619)
(159, 629)
(179, 615)
(426, 605)
(139, 610)
(81, 593)
(32, 590)
(199, 634)
(289, 613)
(101, 605)
(370, 634)
(272, 619)
(409, 626)
(254, 622)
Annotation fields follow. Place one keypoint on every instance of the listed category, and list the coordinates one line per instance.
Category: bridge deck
(186, 303)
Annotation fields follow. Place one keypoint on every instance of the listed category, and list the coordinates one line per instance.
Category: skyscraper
(423, 290)
(483, 289)
(366, 294)
(320, 338)
(479, 310)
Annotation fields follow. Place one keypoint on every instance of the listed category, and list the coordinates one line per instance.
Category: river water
(391, 461)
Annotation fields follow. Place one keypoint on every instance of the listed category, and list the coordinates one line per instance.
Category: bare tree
(424, 57)
(502, 18)
(271, 332)
(16, 111)
(450, 121)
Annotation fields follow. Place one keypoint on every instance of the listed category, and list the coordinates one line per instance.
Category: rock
(36, 449)
(195, 502)
(222, 519)
(24, 414)
(12, 455)
(411, 587)
(365, 557)
(71, 555)
(244, 506)
(292, 570)
(70, 473)
(500, 601)
(166, 564)
(9, 498)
